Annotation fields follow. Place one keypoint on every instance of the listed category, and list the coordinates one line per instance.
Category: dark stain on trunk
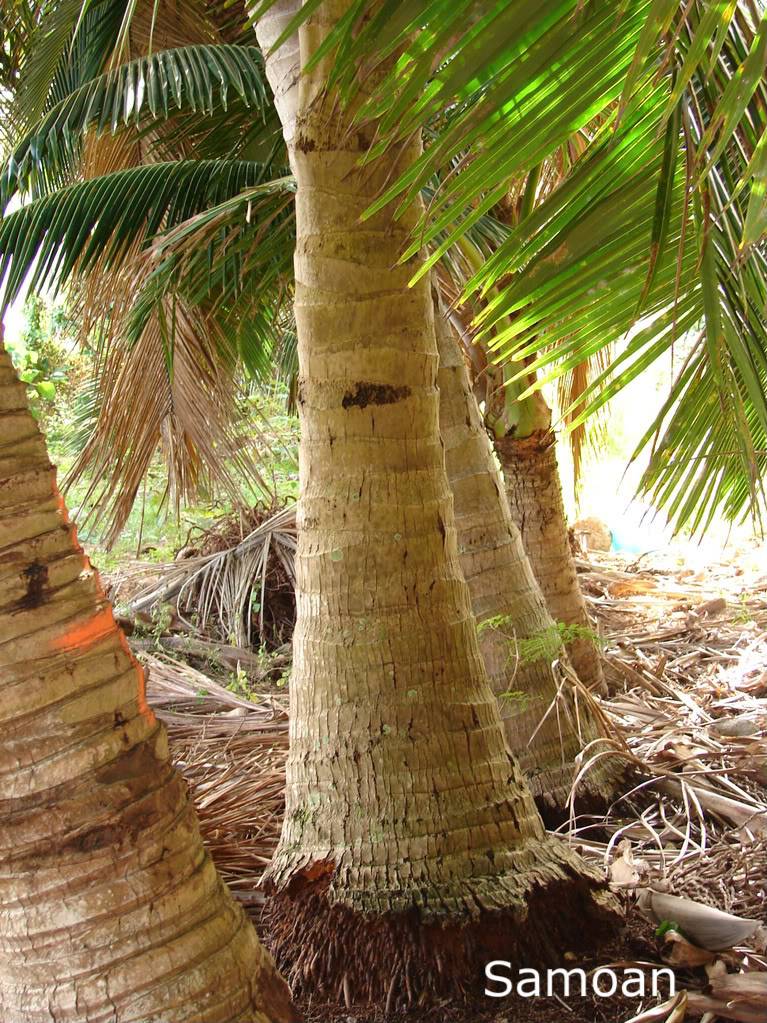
(139, 763)
(37, 581)
(366, 394)
(441, 527)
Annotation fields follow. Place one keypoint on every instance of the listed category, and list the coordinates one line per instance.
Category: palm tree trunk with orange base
(110, 909)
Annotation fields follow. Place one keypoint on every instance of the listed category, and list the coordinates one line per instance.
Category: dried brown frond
(187, 410)
(165, 24)
(687, 656)
(232, 752)
(238, 583)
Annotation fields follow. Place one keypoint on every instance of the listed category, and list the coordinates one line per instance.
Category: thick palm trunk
(534, 492)
(110, 909)
(411, 850)
(518, 636)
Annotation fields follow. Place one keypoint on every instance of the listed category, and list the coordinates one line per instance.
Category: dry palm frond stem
(231, 583)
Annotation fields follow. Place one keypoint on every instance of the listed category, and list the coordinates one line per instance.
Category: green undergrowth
(544, 645)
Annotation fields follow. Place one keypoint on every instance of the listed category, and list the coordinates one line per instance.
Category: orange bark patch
(84, 635)
(320, 870)
(143, 706)
(60, 502)
(62, 509)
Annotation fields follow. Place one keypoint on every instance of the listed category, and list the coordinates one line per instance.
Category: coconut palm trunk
(412, 849)
(110, 909)
(525, 447)
(534, 493)
(519, 639)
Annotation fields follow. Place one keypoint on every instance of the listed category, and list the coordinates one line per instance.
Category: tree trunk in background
(535, 497)
(411, 850)
(110, 909)
(504, 591)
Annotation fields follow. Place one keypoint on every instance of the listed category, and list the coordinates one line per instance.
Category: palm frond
(512, 81)
(566, 302)
(196, 79)
(221, 586)
(176, 320)
(174, 388)
(171, 336)
(71, 42)
(699, 466)
(68, 41)
(44, 243)
(236, 261)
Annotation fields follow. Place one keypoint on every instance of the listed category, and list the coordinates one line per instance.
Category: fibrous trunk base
(399, 961)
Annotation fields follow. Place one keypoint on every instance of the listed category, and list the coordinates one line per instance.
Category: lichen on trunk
(110, 909)
(411, 849)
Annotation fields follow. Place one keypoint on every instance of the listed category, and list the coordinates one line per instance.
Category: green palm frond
(71, 42)
(197, 79)
(235, 260)
(699, 466)
(66, 232)
(624, 238)
(681, 93)
(515, 79)
(68, 42)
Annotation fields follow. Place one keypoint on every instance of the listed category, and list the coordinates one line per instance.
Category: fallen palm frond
(232, 752)
(235, 583)
(219, 656)
(686, 655)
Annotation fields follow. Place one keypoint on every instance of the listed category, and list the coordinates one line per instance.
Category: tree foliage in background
(44, 359)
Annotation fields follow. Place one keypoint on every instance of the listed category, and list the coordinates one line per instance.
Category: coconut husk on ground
(685, 655)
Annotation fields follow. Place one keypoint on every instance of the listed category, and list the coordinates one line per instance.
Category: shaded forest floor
(685, 655)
